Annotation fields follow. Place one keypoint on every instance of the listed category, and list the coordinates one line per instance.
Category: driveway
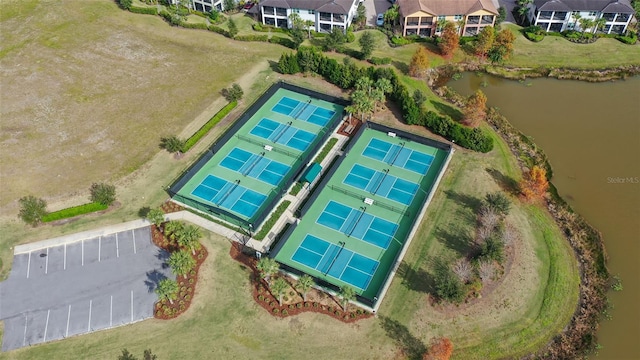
(80, 287)
(375, 7)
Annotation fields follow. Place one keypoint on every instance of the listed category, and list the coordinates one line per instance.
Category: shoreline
(578, 339)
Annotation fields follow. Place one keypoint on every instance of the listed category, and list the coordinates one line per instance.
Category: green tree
(523, 8)
(599, 24)
(585, 24)
(125, 4)
(189, 236)
(392, 15)
(361, 103)
(309, 24)
(156, 217)
(475, 109)
(304, 284)
(502, 14)
(172, 144)
(229, 5)
(419, 97)
(492, 249)
(267, 268)
(576, 19)
(167, 290)
(499, 202)
(334, 39)
(126, 355)
(419, 64)
(148, 355)
(361, 16)
(279, 288)
(297, 36)
(32, 209)
(347, 293)
(233, 28)
(181, 262)
(447, 285)
(484, 41)
(296, 21)
(102, 193)
(367, 44)
(449, 39)
(502, 47)
(172, 229)
(233, 93)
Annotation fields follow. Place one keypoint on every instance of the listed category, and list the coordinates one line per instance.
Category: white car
(380, 20)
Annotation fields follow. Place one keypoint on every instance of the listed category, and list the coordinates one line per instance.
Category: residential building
(427, 17)
(325, 14)
(207, 5)
(561, 15)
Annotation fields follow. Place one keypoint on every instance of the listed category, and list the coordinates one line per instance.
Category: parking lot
(80, 287)
(375, 7)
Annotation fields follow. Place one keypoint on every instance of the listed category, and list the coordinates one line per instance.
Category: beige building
(427, 17)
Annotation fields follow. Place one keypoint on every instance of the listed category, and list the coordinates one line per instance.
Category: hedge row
(282, 41)
(144, 10)
(263, 38)
(380, 61)
(268, 28)
(73, 211)
(309, 59)
(325, 150)
(266, 227)
(209, 125)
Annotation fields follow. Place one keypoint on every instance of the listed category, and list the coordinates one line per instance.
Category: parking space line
(89, 324)
(99, 247)
(29, 264)
(131, 305)
(68, 318)
(111, 312)
(65, 258)
(134, 241)
(24, 338)
(46, 262)
(82, 241)
(46, 326)
(117, 248)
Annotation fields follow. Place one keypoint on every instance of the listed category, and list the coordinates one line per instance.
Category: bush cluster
(73, 211)
(380, 61)
(209, 125)
(266, 227)
(282, 41)
(325, 150)
(266, 28)
(219, 30)
(263, 38)
(145, 10)
(309, 59)
(188, 25)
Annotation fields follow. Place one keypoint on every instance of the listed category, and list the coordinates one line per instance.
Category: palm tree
(173, 228)
(585, 23)
(267, 267)
(188, 237)
(156, 217)
(347, 294)
(576, 17)
(167, 290)
(304, 284)
(181, 262)
(309, 24)
(172, 144)
(279, 288)
(599, 24)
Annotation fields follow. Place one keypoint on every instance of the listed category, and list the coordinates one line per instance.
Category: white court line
(65, 258)
(82, 252)
(134, 241)
(99, 247)
(117, 247)
(29, 264)
(89, 324)
(68, 318)
(46, 262)
(111, 312)
(24, 338)
(131, 305)
(46, 326)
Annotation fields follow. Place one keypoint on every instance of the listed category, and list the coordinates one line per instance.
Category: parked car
(380, 20)
(247, 6)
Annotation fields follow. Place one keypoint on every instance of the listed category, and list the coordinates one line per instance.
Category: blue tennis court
(335, 261)
(398, 155)
(304, 111)
(229, 195)
(255, 166)
(358, 224)
(381, 183)
(284, 134)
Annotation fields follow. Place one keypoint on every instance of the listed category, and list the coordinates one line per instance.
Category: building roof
(610, 6)
(445, 7)
(330, 6)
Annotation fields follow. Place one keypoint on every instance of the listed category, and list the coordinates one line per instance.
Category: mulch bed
(355, 125)
(164, 309)
(262, 296)
(170, 207)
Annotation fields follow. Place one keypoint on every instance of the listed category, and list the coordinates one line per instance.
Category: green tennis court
(250, 167)
(359, 218)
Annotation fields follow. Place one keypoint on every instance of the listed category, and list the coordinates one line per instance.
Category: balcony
(338, 18)
(281, 12)
(473, 20)
(413, 21)
(325, 16)
(560, 16)
(545, 15)
(487, 20)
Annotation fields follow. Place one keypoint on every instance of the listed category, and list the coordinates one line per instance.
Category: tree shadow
(454, 239)
(410, 345)
(447, 109)
(506, 183)
(415, 279)
(274, 66)
(153, 279)
(401, 66)
(471, 202)
(163, 256)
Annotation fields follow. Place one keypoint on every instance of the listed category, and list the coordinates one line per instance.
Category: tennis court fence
(379, 203)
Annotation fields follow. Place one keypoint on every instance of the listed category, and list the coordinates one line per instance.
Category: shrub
(285, 312)
(209, 125)
(191, 281)
(32, 209)
(219, 30)
(399, 41)
(296, 188)
(448, 286)
(325, 150)
(198, 25)
(276, 310)
(630, 40)
(144, 10)
(263, 38)
(380, 61)
(299, 305)
(533, 37)
(307, 305)
(266, 227)
(261, 297)
(282, 41)
(102, 193)
(499, 202)
(73, 211)
(125, 4)
(492, 249)
(315, 304)
(233, 93)
(291, 306)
